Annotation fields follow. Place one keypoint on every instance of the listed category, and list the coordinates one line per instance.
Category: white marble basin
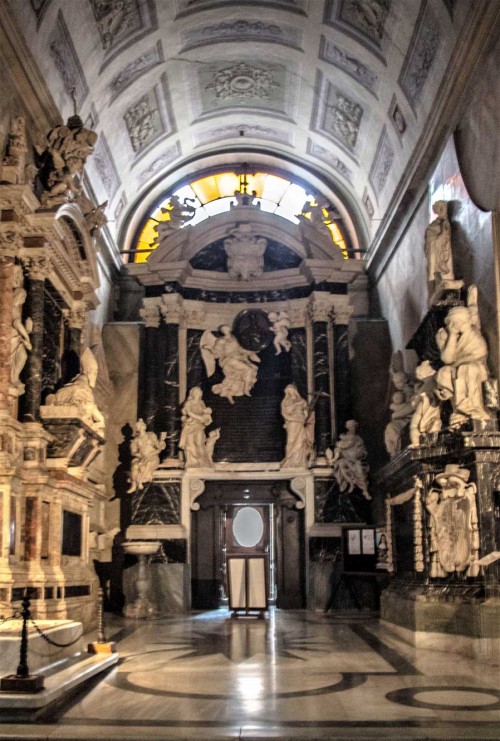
(141, 547)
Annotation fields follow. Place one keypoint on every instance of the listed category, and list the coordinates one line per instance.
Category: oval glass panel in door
(248, 527)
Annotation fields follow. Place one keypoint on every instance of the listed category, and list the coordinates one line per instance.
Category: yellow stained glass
(206, 189)
(227, 183)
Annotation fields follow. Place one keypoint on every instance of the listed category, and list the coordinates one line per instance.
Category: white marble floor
(294, 675)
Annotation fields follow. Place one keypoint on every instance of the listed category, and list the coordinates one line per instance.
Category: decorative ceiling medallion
(243, 82)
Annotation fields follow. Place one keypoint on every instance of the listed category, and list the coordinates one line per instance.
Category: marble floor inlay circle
(447, 698)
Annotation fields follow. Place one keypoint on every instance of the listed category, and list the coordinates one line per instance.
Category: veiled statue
(299, 426)
(237, 364)
(20, 343)
(464, 353)
(145, 448)
(80, 393)
(438, 245)
(349, 461)
(196, 417)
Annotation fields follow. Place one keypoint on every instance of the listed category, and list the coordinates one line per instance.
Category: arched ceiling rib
(342, 88)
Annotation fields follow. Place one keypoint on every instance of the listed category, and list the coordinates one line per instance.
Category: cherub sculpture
(237, 364)
(280, 324)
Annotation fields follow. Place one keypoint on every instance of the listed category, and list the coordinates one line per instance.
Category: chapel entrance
(249, 518)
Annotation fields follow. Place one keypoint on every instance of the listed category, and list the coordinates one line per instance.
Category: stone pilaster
(36, 268)
(320, 310)
(172, 315)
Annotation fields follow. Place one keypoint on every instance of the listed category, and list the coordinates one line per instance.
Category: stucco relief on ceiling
(149, 118)
(240, 131)
(316, 150)
(65, 58)
(134, 70)
(421, 54)
(170, 154)
(364, 20)
(241, 30)
(348, 63)
(382, 163)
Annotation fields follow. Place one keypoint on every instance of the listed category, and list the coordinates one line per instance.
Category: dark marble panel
(239, 297)
(171, 389)
(276, 257)
(157, 504)
(194, 360)
(33, 371)
(342, 377)
(333, 505)
(322, 428)
(298, 356)
(52, 324)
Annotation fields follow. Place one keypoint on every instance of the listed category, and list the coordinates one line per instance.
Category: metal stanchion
(23, 681)
(101, 646)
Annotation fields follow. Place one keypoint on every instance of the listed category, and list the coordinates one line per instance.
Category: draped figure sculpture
(20, 343)
(145, 448)
(438, 245)
(299, 426)
(196, 417)
(464, 353)
(348, 461)
(237, 364)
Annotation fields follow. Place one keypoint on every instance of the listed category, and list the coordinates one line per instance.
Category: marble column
(320, 311)
(36, 267)
(172, 318)
(76, 322)
(148, 409)
(342, 375)
(8, 245)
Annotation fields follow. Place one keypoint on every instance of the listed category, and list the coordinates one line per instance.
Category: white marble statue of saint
(80, 393)
(196, 417)
(299, 426)
(464, 353)
(20, 343)
(145, 448)
(349, 461)
(438, 246)
(237, 364)
(426, 418)
(280, 324)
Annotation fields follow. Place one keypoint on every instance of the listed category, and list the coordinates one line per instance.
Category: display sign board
(359, 549)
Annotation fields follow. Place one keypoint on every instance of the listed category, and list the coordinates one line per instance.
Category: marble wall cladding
(298, 355)
(333, 505)
(322, 427)
(63, 54)
(402, 286)
(52, 327)
(251, 297)
(157, 504)
(194, 360)
(151, 402)
(342, 377)
(172, 423)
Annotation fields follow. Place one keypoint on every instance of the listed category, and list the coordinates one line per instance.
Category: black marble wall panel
(194, 361)
(322, 428)
(276, 257)
(240, 297)
(171, 389)
(342, 377)
(333, 505)
(33, 374)
(52, 323)
(157, 504)
(298, 356)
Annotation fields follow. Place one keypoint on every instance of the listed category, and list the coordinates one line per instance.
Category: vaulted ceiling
(334, 92)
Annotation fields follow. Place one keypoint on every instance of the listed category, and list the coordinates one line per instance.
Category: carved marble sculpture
(180, 213)
(14, 163)
(196, 417)
(312, 213)
(145, 448)
(95, 219)
(63, 158)
(438, 246)
(454, 541)
(349, 461)
(299, 426)
(280, 324)
(245, 253)
(401, 408)
(79, 393)
(237, 364)
(426, 418)
(20, 343)
(464, 353)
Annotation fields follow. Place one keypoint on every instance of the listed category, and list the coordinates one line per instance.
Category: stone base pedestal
(169, 588)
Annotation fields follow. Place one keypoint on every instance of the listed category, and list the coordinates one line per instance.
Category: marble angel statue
(299, 426)
(145, 448)
(237, 364)
(348, 460)
(196, 417)
(464, 353)
(280, 324)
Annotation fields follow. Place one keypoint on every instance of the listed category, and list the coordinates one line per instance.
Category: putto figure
(299, 426)
(280, 324)
(237, 364)
(349, 461)
(145, 448)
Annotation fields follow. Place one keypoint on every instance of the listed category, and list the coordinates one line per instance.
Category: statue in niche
(196, 417)
(280, 324)
(96, 219)
(299, 426)
(464, 353)
(438, 246)
(401, 408)
(63, 158)
(20, 343)
(145, 448)
(245, 253)
(426, 418)
(454, 541)
(238, 365)
(80, 393)
(348, 461)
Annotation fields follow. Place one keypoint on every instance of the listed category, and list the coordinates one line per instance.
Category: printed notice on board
(368, 542)
(354, 543)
